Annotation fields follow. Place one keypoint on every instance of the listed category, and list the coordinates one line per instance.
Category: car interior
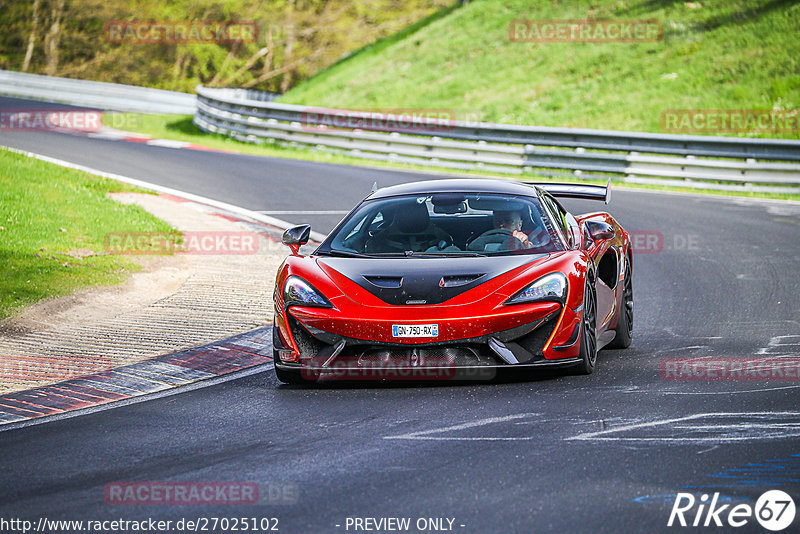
(443, 223)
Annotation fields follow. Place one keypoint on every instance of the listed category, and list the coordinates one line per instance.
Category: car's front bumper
(320, 353)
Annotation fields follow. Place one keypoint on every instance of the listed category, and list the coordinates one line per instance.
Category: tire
(287, 377)
(622, 339)
(588, 346)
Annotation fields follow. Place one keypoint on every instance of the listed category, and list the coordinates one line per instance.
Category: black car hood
(409, 281)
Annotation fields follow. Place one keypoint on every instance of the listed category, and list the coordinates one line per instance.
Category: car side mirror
(296, 236)
(600, 231)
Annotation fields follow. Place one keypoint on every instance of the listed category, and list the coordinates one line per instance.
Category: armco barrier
(100, 95)
(725, 163)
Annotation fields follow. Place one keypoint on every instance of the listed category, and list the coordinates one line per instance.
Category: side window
(574, 230)
(558, 215)
(376, 222)
(355, 230)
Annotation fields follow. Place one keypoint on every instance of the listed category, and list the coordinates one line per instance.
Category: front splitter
(379, 372)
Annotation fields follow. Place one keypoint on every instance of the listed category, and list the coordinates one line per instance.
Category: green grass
(733, 54)
(738, 55)
(47, 211)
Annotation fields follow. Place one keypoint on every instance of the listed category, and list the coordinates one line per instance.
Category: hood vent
(431, 281)
(386, 282)
(456, 280)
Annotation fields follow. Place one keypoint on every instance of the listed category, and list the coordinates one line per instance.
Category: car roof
(469, 185)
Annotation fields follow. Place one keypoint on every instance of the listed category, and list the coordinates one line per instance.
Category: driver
(511, 221)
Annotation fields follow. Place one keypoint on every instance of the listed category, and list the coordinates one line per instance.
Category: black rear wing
(585, 191)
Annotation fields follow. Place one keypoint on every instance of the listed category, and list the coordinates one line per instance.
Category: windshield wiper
(450, 254)
(390, 254)
(413, 254)
(406, 254)
(351, 254)
(343, 253)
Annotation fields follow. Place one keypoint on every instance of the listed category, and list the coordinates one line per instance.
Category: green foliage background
(715, 54)
(303, 36)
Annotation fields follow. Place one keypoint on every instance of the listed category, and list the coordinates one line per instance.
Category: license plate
(415, 330)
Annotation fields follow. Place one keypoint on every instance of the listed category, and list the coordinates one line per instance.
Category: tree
(26, 63)
(53, 38)
(297, 38)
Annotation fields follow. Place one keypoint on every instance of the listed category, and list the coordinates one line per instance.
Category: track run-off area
(714, 278)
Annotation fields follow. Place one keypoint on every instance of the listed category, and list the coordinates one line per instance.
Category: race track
(550, 453)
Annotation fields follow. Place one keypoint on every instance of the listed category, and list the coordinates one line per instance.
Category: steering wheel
(494, 232)
(424, 241)
(446, 241)
(498, 235)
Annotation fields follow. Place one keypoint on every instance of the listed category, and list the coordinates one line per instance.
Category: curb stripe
(8, 406)
(6, 417)
(104, 396)
(160, 373)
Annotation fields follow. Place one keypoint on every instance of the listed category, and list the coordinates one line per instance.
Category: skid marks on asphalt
(782, 346)
(764, 348)
(704, 429)
(516, 427)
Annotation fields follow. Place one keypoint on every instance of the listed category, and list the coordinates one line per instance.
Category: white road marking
(305, 212)
(780, 344)
(726, 392)
(691, 347)
(713, 428)
(168, 143)
(426, 434)
(752, 277)
(254, 215)
(778, 425)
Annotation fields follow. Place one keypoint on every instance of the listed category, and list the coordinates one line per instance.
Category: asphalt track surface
(542, 453)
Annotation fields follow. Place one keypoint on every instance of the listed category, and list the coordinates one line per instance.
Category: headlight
(551, 287)
(297, 291)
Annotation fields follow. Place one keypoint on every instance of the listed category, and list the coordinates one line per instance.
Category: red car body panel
(358, 314)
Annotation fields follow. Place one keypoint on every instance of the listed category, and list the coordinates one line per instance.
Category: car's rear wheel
(622, 340)
(588, 346)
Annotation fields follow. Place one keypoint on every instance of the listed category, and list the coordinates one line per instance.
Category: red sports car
(454, 279)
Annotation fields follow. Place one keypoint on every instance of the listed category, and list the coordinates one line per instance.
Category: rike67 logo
(774, 510)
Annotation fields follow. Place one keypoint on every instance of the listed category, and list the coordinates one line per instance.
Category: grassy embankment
(738, 55)
(51, 218)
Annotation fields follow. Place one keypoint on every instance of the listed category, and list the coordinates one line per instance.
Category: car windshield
(458, 224)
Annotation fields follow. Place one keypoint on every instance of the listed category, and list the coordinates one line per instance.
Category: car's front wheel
(588, 346)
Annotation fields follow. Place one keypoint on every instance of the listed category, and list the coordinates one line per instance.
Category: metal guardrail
(98, 95)
(685, 160)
